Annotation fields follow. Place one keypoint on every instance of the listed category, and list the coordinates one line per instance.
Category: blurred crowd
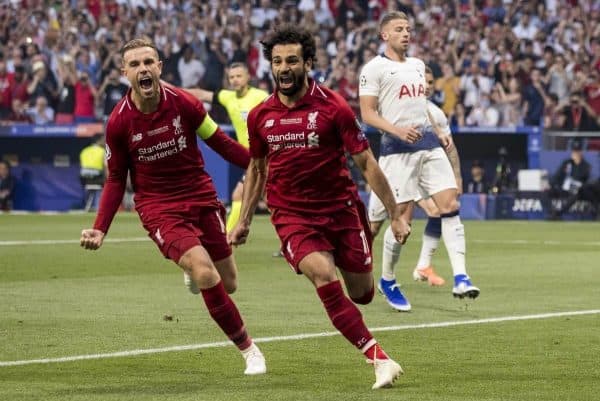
(496, 62)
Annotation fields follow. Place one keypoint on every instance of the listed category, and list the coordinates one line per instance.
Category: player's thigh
(402, 173)
(318, 267)
(446, 201)
(213, 234)
(173, 234)
(197, 263)
(436, 173)
(300, 236)
(428, 205)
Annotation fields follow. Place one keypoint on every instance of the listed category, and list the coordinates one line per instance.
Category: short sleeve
(258, 148)
(350, 129)
(368, 82)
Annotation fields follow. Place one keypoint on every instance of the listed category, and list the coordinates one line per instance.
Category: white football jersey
(399, 87)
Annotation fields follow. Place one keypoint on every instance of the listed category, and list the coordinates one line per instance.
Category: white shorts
(412, 177)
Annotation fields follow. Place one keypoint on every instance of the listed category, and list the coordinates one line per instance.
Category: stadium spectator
(553, 118)
(67, 77)
(20, 84)
(19, 112)
(557, 79)
(111, 92)
(449, 85)
(6, 89)
(578, 115)
(191, 70)
(477, 183)
(170, 64)
(41, 113)
(509, 102)
(85, 99)
(533, 100)
(568, 179)
(43, 84)
(486, 113)
(475, 86)
(7, 186)
(410, 155)
(315, 206)
(184, 217)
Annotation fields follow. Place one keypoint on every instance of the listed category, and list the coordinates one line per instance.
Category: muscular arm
(253, 188)
(376, 179)
(454, 158)
(221, 143)
(450, 149)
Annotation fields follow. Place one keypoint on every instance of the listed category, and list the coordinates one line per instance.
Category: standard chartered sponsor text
(158, 151)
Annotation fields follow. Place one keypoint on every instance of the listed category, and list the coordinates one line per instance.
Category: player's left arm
(379, 184)
(216, 139)
(254, 183)
(356, 143)
(443, 133)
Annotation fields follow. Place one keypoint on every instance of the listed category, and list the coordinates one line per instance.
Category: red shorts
(177, 231)
(342, 233)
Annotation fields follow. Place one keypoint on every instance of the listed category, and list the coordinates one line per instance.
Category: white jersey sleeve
(439, 118)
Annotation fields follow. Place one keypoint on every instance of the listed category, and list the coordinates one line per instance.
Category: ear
(309, 63)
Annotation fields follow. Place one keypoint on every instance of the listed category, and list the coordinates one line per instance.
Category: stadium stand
(499, 65)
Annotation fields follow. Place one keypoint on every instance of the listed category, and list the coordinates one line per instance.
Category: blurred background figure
(503, 179)
(41, 113)
(92, 172)
(568, 180)
(477, 183)
(7, 186)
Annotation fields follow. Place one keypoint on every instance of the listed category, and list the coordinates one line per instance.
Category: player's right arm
(254, 183)
(370, 116)
(369, 92)
(114, 187)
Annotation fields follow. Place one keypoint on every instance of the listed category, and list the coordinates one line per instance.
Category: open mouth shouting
(146, 84)
(286, 82)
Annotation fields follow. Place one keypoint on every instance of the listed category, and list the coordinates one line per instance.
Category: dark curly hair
(288, 35)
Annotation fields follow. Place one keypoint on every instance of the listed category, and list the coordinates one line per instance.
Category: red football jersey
(305, 150)
(160, 150)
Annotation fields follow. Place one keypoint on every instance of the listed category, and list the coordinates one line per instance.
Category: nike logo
(393, 72)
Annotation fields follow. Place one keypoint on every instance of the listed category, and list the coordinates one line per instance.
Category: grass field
(534, 333)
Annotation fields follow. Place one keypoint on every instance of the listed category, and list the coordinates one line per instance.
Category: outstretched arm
(228, 148)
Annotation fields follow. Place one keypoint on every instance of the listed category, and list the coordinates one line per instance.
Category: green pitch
(59, 301)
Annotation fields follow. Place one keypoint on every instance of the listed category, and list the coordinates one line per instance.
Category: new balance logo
(136, 137)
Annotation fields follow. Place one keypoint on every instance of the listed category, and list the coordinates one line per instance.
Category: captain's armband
(207, 128)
